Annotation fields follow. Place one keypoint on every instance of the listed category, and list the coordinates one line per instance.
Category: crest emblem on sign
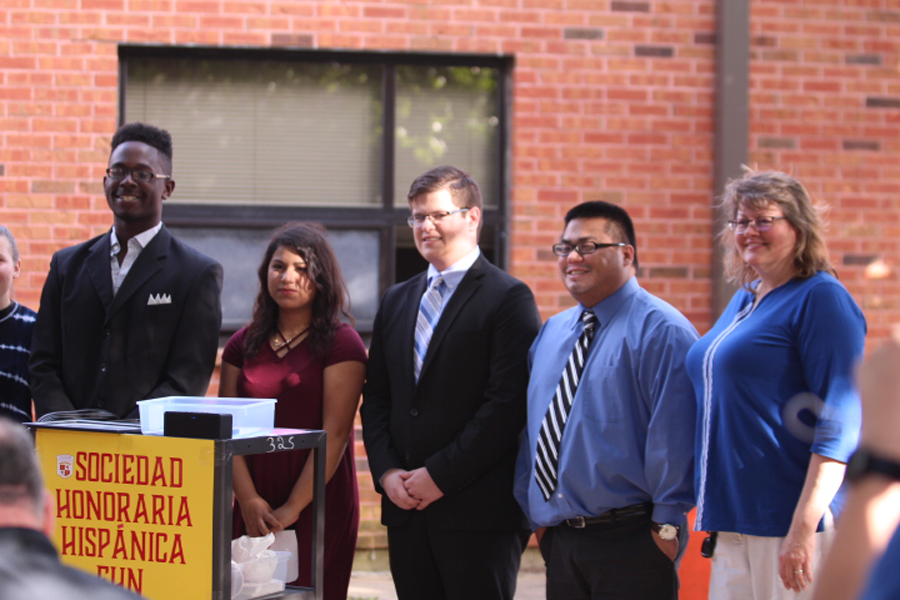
(64, 465)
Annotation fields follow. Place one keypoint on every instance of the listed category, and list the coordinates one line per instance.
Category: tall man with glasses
(605, 472)
(445, 402)
(134, 313)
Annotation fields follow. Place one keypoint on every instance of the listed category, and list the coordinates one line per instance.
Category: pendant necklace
(285, 341)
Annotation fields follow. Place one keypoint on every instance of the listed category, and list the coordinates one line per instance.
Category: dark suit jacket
(157, 337)
(30, 570)
(463, 419)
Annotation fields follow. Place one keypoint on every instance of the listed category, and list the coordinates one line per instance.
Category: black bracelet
(863, 463)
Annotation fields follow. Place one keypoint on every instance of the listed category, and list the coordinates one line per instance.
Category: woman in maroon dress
(296, 350)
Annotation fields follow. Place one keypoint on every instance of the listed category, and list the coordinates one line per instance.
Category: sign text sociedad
(105, 513)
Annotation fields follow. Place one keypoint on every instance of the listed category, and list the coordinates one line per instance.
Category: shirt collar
(454, 273)
(606, 309)
(143, 238)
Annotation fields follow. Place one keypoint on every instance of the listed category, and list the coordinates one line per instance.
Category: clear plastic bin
(250, 416)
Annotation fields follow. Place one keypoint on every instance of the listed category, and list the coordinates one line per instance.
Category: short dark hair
(20, 474)
(464, 190)
(308, 241)
(147, 134)
(622, 227)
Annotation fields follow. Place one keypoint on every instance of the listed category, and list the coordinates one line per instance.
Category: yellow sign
(133, 509)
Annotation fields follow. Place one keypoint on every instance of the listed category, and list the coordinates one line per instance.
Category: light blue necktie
(429, 313)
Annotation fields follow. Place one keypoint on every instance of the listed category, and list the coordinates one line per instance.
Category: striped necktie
(546, 461)
(429, 313)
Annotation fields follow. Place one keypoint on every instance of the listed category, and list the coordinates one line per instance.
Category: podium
(154, 514)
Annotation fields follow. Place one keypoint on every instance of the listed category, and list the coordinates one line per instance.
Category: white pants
(745, 567)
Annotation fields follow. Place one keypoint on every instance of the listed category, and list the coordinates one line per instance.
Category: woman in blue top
(778, 415)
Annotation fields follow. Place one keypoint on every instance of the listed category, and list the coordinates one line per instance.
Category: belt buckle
(577, 522)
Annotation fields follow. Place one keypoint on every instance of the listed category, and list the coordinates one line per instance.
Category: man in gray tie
(444, 404)
(605, 472)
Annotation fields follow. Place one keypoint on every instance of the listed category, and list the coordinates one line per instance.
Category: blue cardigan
(774, 383)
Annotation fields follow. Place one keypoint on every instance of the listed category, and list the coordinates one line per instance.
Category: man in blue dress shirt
(605, 476)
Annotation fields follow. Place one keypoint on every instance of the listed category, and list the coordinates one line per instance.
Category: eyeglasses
(419, 220)
(141, 175)
(761, 224)
(582, 248)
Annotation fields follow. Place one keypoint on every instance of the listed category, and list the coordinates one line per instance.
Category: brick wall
(825, 104)
(612, 100)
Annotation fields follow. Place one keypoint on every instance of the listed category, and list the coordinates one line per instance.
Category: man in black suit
(134, 313)
(445, 401)
(29, 564)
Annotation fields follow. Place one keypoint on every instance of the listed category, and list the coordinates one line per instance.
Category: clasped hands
(260, 519)
(411, 489)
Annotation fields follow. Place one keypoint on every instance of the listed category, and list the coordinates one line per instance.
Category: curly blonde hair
(758, 190)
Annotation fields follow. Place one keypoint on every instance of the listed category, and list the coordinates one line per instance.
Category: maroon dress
(296, 381)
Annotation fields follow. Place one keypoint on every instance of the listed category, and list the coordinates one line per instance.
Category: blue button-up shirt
(629, 438)
(453, 275)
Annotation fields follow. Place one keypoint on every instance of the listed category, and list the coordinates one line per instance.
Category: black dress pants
(614, 561)
(437, 564)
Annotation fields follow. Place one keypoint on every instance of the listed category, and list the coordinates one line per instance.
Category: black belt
(616, 515)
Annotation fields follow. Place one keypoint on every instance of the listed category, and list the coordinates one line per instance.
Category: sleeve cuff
(669, 514)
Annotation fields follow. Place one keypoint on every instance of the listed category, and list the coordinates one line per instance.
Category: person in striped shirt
(16, 325)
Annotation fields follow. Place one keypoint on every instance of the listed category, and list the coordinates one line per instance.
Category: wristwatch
(666, 531)
(864, 463)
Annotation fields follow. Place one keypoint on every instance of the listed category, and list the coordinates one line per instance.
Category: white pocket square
(157, 299)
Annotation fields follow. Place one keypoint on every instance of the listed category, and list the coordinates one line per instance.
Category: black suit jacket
(157, 337)
(463, 419)
(30, 570)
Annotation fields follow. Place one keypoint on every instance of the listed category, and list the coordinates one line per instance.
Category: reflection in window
(266, 132)
(447, 116)
(241, 250)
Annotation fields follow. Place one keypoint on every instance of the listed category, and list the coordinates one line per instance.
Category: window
(263, 137)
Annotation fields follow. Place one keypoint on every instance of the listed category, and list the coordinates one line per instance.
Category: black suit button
(406, 456)
(106, 333)
(414, 412)
(103, 368)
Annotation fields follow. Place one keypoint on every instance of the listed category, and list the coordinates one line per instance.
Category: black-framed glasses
(761, 224)
(419, 220)
(582, 248)
(141, 175)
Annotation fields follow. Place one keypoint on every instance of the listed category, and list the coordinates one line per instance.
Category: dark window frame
(383, 219)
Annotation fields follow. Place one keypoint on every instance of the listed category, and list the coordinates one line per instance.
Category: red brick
(293, 9)
(637, 36)
(245, 8)
(269, 23)
(150, 35)
(197, 36)
(198, 6)
(452, 29)
(500, 31)
(245, 38)
(407, 27)
(223, 23)
(471, 14)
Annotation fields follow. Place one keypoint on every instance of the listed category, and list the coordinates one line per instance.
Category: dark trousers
(614, 561)
(434, 564)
